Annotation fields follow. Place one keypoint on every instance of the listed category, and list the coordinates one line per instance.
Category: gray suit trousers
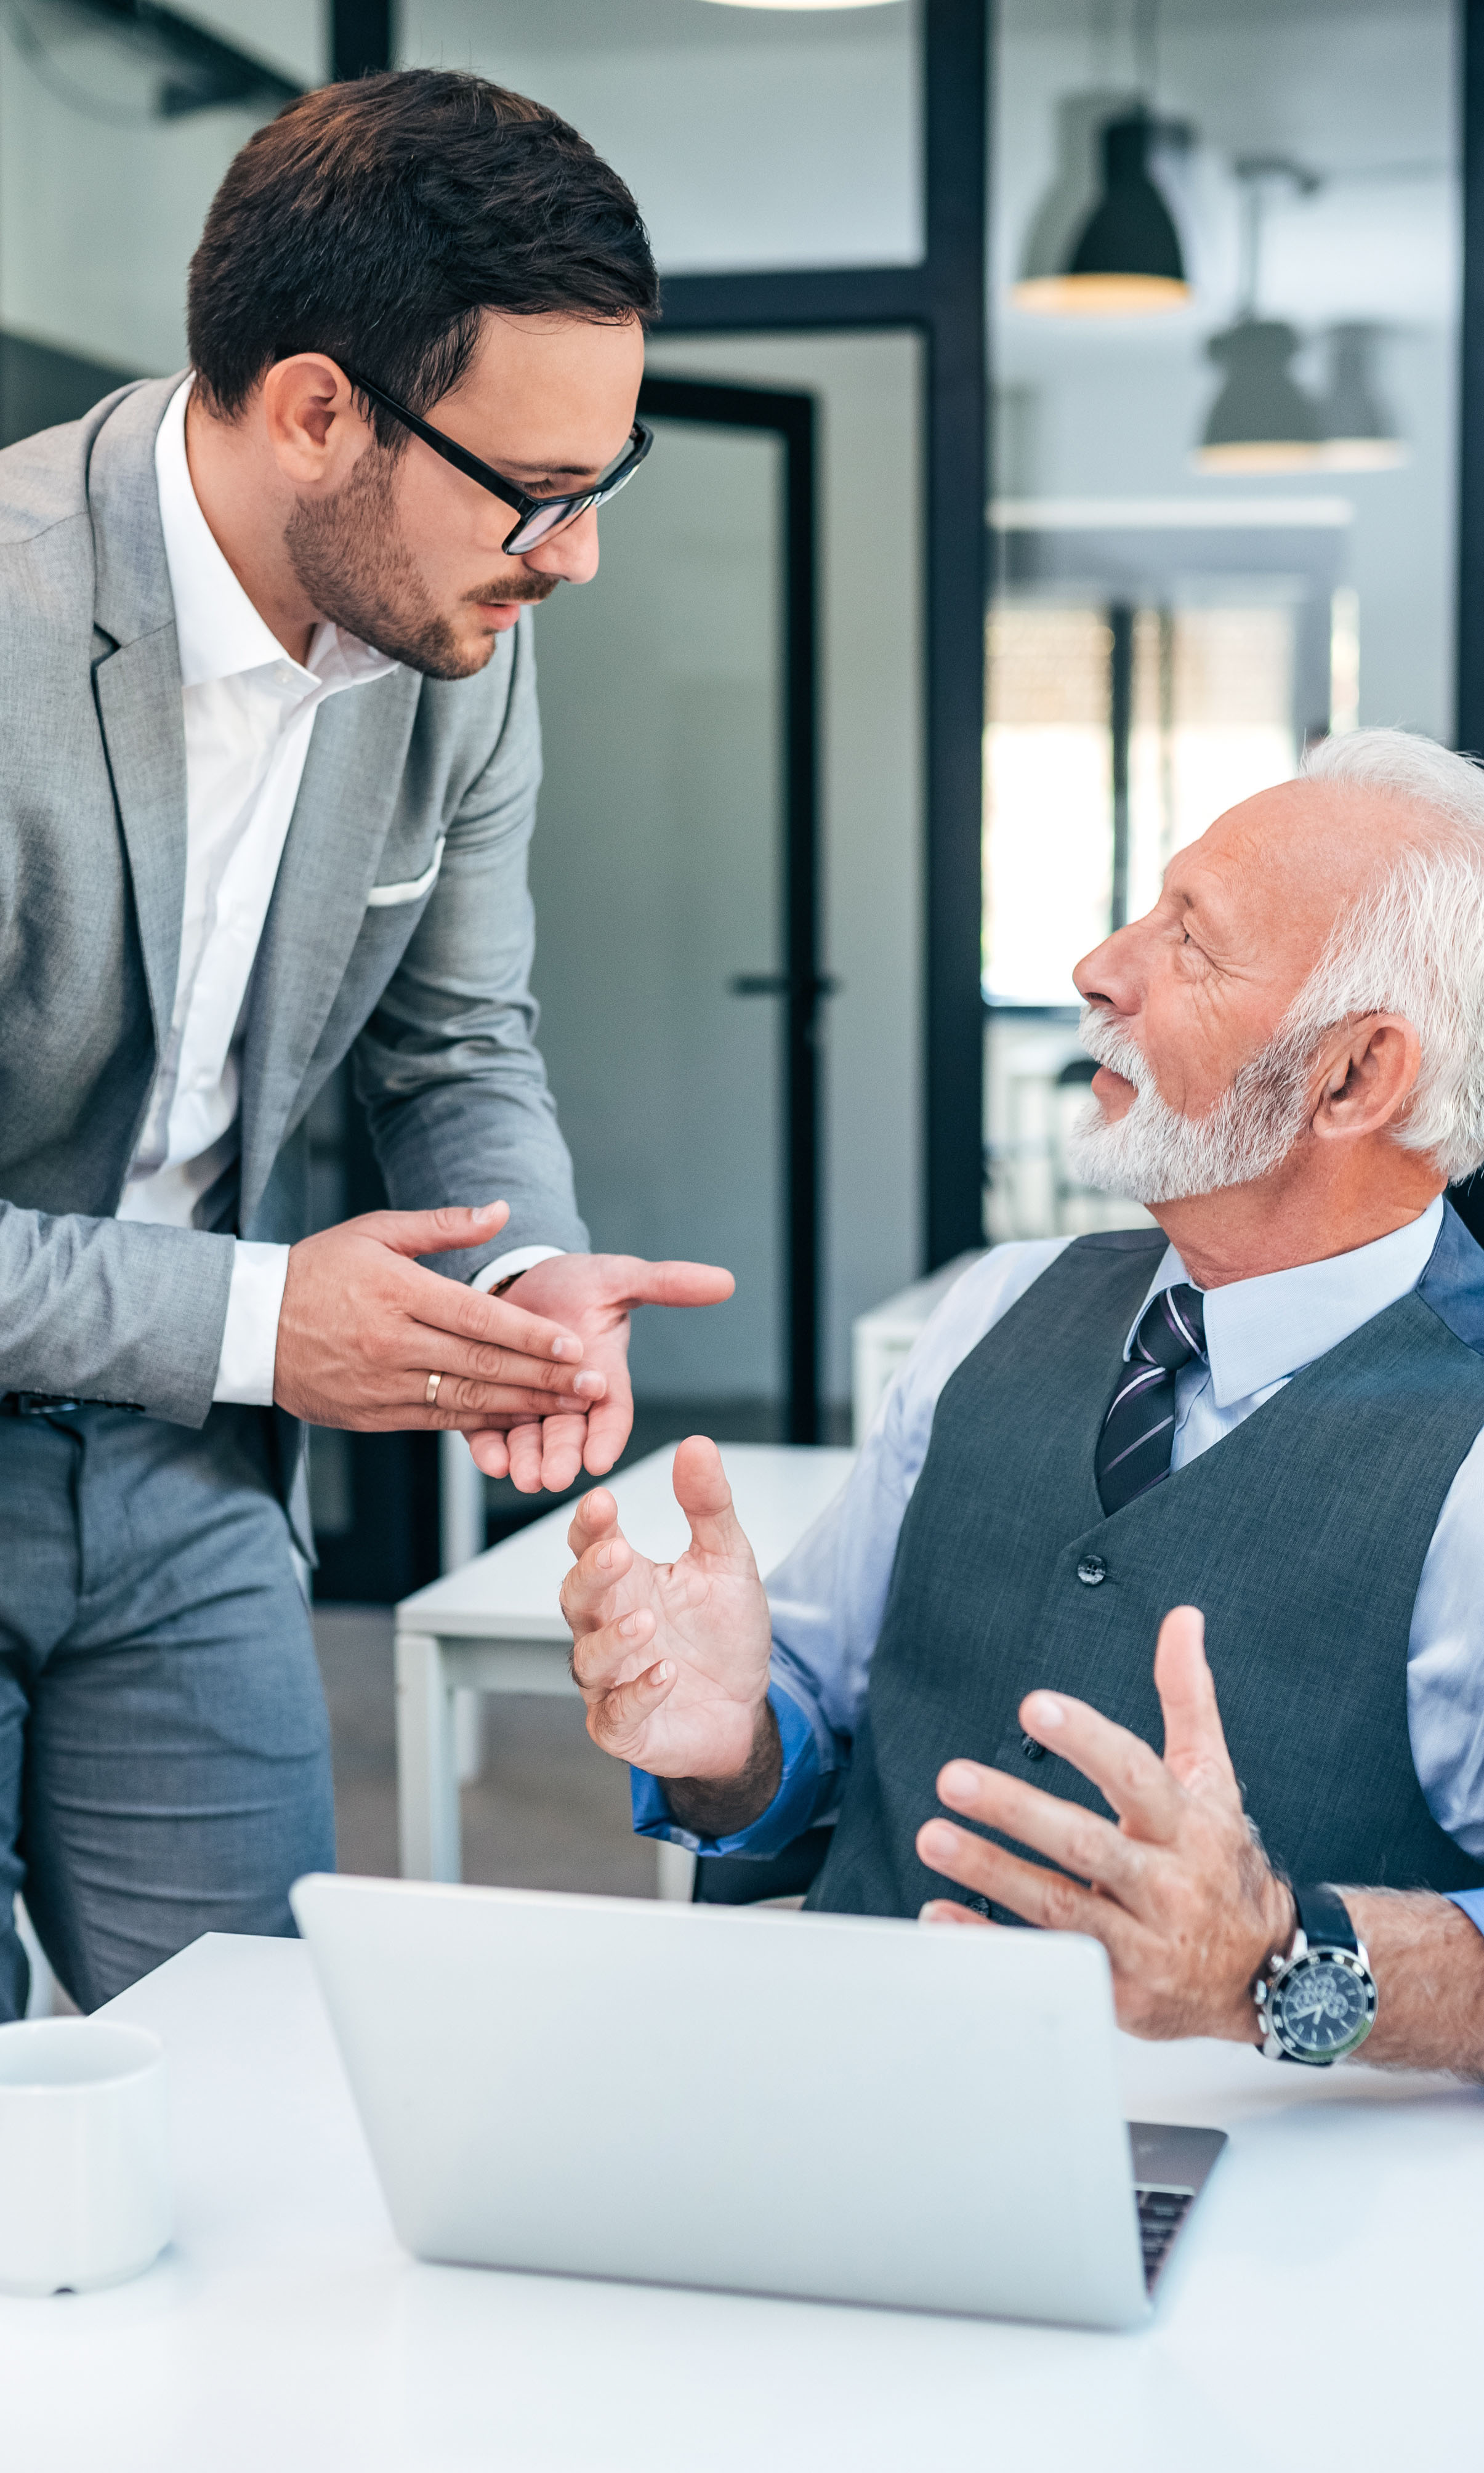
(164, 1748)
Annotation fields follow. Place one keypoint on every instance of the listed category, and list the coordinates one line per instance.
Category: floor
(551, 1811)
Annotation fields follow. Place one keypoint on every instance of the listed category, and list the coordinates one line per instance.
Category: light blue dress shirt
(828, 1598)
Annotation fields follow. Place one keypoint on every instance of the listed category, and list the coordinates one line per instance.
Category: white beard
(1154, 1154)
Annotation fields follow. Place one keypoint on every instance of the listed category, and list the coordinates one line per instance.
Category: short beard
(350, 558)
(1154, 1154)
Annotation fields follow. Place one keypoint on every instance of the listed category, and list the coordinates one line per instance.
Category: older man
(1270, 1408)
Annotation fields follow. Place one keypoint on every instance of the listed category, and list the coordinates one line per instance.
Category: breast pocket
(386, 897)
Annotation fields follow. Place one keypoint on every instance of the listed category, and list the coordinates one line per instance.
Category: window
(1222, 525)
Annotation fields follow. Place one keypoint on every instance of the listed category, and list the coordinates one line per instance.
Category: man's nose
(572, 553)
(1109, 975)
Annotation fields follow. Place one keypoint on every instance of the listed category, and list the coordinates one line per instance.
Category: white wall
(292, 36)
(750, 137)
(101, 204)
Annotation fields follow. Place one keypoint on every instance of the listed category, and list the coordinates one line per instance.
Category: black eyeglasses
(537, 518)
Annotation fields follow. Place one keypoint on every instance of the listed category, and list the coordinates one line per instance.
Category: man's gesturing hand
(363, 1325)
(671, 1658)
(1180, 1894)
(592, 1294)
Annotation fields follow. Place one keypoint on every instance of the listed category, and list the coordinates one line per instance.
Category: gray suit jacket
(401, 926)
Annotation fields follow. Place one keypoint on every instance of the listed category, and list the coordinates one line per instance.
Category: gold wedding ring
(431, 1393)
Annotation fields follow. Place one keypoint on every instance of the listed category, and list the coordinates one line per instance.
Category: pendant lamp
(1128, 259)
(1261, 421)
(1359, 434)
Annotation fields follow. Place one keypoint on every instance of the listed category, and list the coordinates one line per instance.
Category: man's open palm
(671, 1658)
(594, 1295)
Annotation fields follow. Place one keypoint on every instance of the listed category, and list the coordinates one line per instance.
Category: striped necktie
(1138, 1430)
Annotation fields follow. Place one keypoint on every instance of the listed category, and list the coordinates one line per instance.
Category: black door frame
(792, 417)
(945, 300)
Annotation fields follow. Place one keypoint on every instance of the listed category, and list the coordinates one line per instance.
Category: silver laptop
(836, 2106)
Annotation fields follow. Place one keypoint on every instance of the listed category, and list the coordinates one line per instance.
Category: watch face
(1324, 2003)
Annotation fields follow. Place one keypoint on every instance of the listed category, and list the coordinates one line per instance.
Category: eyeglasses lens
(545, 521)
(559, 512)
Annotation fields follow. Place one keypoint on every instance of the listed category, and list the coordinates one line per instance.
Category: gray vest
(1302, 1535)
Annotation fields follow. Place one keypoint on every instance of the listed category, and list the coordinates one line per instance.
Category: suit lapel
(138, 681)
(341, 816)
(139, 692)
(345, 799)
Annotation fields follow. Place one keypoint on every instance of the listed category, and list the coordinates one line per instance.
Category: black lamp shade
(1127, 262)
(1130, 231)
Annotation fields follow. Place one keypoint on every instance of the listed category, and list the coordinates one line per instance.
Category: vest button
(1032, 1750)
(1090, 1570)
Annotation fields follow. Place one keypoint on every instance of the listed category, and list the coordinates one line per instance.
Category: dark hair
(375, 220)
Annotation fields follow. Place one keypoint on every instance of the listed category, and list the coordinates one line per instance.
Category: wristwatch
(1316, 2003)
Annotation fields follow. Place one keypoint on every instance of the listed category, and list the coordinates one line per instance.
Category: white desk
(883, 1338)
(496, 1625)
(1322, 2310)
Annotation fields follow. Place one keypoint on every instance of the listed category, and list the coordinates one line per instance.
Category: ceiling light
(1128, 261)
(1359, 434)
(800, 4)
(1261, 421)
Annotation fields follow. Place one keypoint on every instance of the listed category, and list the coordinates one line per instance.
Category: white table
(496, 1624)
(1322, 2310)
(883, 1338)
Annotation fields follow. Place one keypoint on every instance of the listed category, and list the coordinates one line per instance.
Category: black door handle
(780, 983)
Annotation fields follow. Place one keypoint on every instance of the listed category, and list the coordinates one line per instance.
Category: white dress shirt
(249, 711)
(828, 1598)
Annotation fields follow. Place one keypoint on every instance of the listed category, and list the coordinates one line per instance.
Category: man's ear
(310, 420)
(1365, 1074)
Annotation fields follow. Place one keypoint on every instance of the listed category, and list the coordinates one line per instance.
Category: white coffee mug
(84, 2164)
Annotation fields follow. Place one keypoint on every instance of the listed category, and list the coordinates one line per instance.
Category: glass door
(673, 872)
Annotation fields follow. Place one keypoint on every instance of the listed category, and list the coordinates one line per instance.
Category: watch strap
(1324, 1918)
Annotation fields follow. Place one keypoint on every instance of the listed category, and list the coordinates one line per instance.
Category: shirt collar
(219, 632)
(1260, 1331)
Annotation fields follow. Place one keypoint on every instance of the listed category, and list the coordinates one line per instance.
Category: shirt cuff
(1472, 1902)
(520, 1257)
(792, 1811)
(249, 1336)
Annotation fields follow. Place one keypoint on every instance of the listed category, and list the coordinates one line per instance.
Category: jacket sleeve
(112, 1310)
(447, 1066)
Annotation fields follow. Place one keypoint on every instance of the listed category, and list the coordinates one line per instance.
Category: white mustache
(1112, 1046)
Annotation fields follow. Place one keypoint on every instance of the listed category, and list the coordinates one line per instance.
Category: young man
(269, 776)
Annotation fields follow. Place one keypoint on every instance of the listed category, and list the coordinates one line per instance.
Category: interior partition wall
(941, 298)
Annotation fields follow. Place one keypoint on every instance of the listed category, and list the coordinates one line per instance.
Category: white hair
(1413, 943)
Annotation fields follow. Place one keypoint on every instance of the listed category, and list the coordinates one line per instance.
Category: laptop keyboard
(1162, 2211)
